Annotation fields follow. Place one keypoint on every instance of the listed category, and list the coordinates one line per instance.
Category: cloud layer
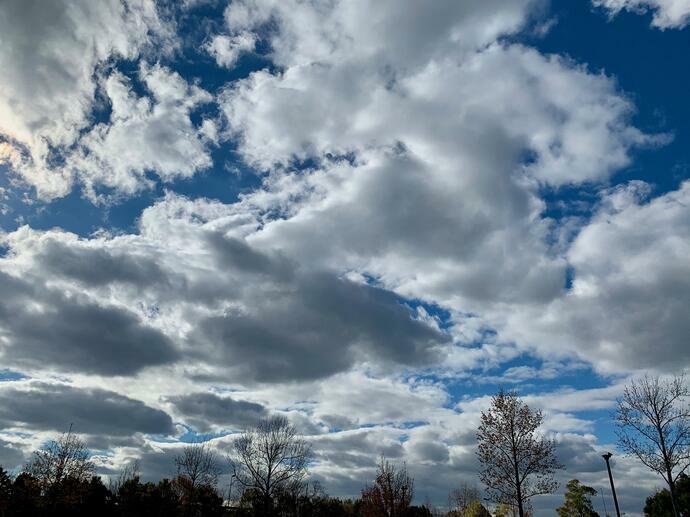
(394, 255)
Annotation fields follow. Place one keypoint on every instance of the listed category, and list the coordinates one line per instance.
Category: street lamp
(607, 457)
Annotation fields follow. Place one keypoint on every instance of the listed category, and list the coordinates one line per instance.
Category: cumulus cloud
(667, 14)
(50, 53)
(627, 305)
(11, 456)
(387, 33)
(427, 161)
(572, 123)
(143, 134)
(228, 49)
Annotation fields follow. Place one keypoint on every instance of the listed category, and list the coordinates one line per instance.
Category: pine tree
(578, 501)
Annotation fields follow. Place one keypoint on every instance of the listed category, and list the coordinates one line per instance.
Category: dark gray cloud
(237, 254)
(74, 333)
(578, 455)
(316, 325)
(99, 266)
(434, 451)
(204, 410)
(10, 456)
(52, 407)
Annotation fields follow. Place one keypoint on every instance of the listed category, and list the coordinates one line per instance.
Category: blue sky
(366, 216)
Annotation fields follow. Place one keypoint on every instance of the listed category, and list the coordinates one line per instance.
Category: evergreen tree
(659, 504)
(578, 502)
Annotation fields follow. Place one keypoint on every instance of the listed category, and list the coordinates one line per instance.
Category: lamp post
(607, 457)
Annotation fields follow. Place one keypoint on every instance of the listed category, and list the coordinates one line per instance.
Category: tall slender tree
(518, 463)
(653, 420)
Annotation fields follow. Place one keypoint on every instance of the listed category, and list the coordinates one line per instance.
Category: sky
(365, 215)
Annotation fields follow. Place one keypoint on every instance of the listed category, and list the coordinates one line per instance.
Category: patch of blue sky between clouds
(8, 375)
(650, 67)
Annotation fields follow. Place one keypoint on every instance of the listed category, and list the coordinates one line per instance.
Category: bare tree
(271, 458)
(460, 498)
(126, 473)
(653, 422)
(517, 462)
(391, 493)
(199, 465)
(66, 457)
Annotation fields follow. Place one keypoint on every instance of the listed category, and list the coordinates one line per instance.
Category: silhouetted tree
(271, 458)
(199, 464)
(517, 462)
(659, 504)
(136, 499)
(66, 457)
(578, 502)
(26, 496)
(198, 470)
(391, 493)
(654, 425)
(5, 491)
(127, 472)
(418, 511)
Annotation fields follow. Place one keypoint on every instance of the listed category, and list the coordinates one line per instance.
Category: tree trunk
(521, 511)
(667, 464)
(672, 490)
(518, 488)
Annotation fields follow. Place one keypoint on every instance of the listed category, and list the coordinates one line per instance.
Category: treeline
(266, 472)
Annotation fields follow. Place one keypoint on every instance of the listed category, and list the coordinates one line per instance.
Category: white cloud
(388, 33)
(668, 14)
(628, 303)
(144, 134)
(49, 53)
(574, 123)
(435, 201)
(227, 49)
